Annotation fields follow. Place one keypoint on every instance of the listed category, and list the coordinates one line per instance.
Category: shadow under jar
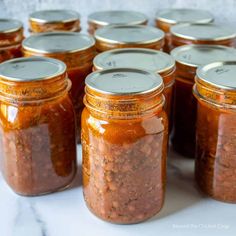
(168, 17)
(188, 58)
(100, 19)
(148, 59)
(54, 20)
(37, 126)
(124, 143)
(212, 34)
(215, 164)
(11, 36)
(75, 50)
(128, 36)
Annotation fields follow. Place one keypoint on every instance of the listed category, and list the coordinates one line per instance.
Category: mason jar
(148, 59)
(124, 143)
(11, 36)
(188, 58)
(76, 50)
(54, 20)
(37, 126)
(215, 91)
(128, 36)
(168, 17)
(212, 34)
(100, 19)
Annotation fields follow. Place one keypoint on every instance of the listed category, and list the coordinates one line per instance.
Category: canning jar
(75, 50)
(215, 164)
(168, 17)
(37, 126)
(213, 34)
(188, 58)
(54, 20)
(100, 19)
(11, 36)
(147, 59)
(128, 36)
(124, 143)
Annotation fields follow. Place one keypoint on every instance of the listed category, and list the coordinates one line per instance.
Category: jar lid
(200, 54)
(117, 18)
(207, 32)
(31, 69)
(184, 15)
(54, 16)
(219, 74)
(149, 59)
(124, 81)
(58, 42)
(135, 34)
(9, 25)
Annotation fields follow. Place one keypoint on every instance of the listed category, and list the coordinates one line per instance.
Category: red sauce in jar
(37, 126)
(124, 141)
(215, 91)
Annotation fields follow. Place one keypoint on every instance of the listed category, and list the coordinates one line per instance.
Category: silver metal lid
(9, 25)
(31, 69)
(207, 32)
(197, 55)
(117, 18)
(53, 16)
(149, 59)
(135, 34)
(184, 15)
(123, 81)
(219, 74)
(58, 42)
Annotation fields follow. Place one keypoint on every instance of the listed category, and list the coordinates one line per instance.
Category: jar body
(38, 149)
(124, 166)
(176, 42)
(7, 53)
(104, 46)
(184, 118)
(39, 27)
(216, 151)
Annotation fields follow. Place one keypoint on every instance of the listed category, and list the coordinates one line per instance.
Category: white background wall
(223, 10)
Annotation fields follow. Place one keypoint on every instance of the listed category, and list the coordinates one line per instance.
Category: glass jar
(11, 36)
(128, 36)
(124, 143)
(100, 19)
(75, 50)
(37, 126)
(168, 17)
(148, 59)
(213, 34)
(54, 20)
(215, 164)
(188, 58)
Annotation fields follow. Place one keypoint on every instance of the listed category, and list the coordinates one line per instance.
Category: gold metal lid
(31, 69)
(135, 34)
(124, 81)
(199, 54)
(117, 18)
(184, 15)
(148, 59)
(219, 74)
(206, 32)
(58, 42)
(54, 16)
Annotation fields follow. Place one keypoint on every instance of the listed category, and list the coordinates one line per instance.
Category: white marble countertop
(186, 211)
